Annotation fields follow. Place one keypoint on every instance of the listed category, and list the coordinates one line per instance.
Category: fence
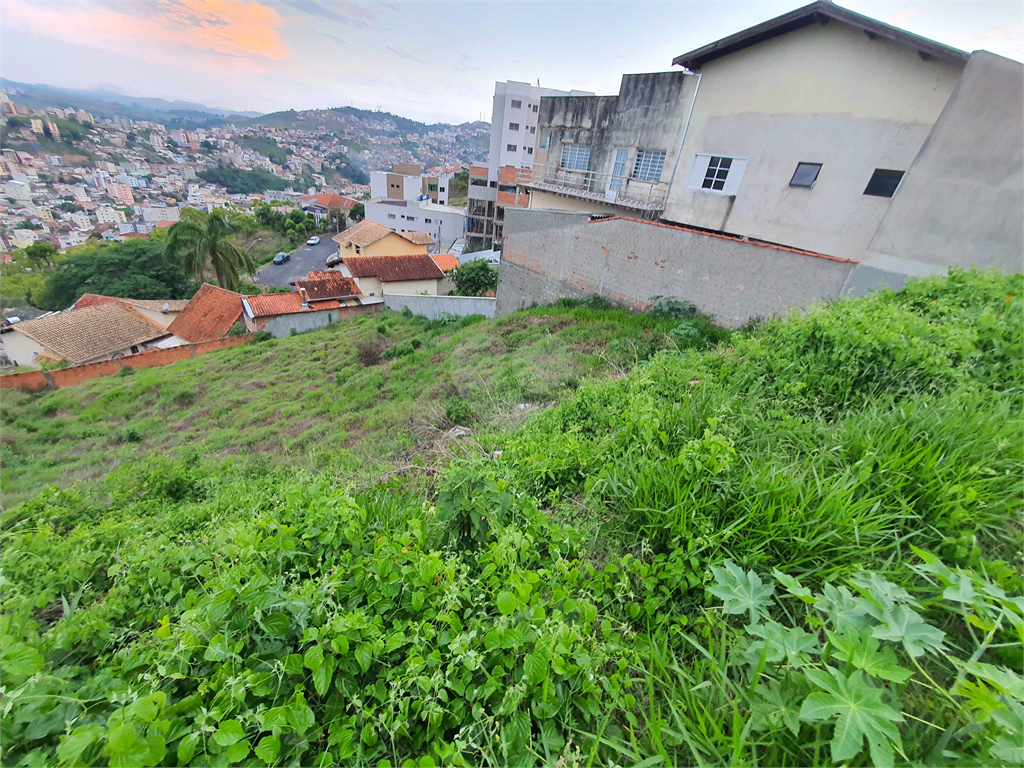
(432, 306)
(620, 190)
(37, 381)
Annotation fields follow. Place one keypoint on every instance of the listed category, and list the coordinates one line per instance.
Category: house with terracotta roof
(406, 275)
(209, 315)
(324, 297)
(104, 331)
(369, 239)
(159, 311)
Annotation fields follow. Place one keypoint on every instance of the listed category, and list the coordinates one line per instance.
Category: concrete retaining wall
(306, 321)
(550, 255)
(36, 381)
(432, 306)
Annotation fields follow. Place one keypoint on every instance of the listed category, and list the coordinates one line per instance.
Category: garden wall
(37, 381)
(432, 306)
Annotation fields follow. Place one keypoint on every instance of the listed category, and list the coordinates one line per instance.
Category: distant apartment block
(19, 191)
(109, 216)
(513, 138)
(122, 193)
(444, 223)
(407, 181)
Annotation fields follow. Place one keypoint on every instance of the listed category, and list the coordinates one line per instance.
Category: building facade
(444, 223)
(407, 181)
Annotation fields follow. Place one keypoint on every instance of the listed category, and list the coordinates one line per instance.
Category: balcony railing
(599, 187)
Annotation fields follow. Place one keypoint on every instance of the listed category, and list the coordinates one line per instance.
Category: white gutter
(685, 129)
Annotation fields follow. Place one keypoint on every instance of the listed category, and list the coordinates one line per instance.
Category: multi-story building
(121, 193)
(157, 213)
(19, 191)
(444, 223)
(513, 139)
(407, 181)
(81, 220)
(109, 216)
(821, 130)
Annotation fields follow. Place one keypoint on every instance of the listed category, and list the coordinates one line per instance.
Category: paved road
(305, 259)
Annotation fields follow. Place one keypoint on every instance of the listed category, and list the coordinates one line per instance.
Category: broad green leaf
(516, 733)
(313, 658)
(74, 745)
(230, 732)
(845, 611)
(364, 655)
(776, 705)
(793, 586)
(122, 738)
(340, 645)
(860, 714)
(790, 642)
(21, 660)
(293, 664)
(268, 749)
(369, 736)
(551, 737)
(741, 592)
(1002, 679)
(238, 752)
(323, 674)
(961, 590)
(535, 667)
(899, 623)
(506, 603)
(881, 589)
(862, 651)
(395, 641)
(277, 624)
(1009, 746)
(187, 748)
(300, 716)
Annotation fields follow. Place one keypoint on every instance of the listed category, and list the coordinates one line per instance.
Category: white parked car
(313, 240)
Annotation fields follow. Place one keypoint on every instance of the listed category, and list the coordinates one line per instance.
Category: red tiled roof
(209, 315)
(332, 285)
(155, 305)
(393, 269)
(446, 261)
(274, 304)
(91, 300)
(331, 200)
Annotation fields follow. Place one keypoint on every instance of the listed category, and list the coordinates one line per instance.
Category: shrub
(262, 336)
(458, 410)
(238, 329)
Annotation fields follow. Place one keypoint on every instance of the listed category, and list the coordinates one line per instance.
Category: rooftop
(391, 269)
(209, 315)
(446, 261)
(327, 284)
(153, 305)
(91, 332)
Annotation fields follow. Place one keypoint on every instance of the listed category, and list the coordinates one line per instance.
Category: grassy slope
(308, 400)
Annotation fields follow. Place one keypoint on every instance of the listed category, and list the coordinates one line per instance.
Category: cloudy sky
(432, 61)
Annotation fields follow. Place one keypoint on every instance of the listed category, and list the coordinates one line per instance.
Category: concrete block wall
(432, 306)
(550, 255)
(282, 325)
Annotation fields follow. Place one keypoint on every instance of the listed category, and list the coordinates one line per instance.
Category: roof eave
(820, 13)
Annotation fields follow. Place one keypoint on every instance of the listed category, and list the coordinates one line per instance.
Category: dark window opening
(718, 171)
(805, 174)
(883, 183)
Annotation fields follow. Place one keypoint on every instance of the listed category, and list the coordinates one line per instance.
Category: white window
(529, 150)
(517, 104)
(391, 215)
(533, 129)
(534, 107)
(544, 139)
(717, 173)
(513, 126)
(511, 147)
(648, 165)
(428, 221)
(442, 189)
(575, 157)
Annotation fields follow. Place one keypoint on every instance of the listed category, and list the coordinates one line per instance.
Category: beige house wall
(411, 288)
(393, 245)
(369, 286)
(548, 202)
(822, 94)
(160, 318)
(19, 347)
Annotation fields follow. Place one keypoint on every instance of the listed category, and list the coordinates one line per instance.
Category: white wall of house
(411, 287)
(444, 223)
(822, 94)
(19, 347)
(160, 318)
(368, 286)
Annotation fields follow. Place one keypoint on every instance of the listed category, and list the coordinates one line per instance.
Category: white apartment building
(157, 213)
(407, 181)
(19, 191)
(444, 223)
(513, 138)
(109, 216)
(81, 220)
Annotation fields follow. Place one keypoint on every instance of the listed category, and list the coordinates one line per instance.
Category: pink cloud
(180, 31)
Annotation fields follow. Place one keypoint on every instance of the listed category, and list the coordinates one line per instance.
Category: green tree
(198, 242)
(475, 278)
(137, 269)
(357, 212)
(41, 253)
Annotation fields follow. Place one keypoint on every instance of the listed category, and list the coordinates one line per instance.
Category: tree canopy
(475, 278)
(137, 269)
(198, 240)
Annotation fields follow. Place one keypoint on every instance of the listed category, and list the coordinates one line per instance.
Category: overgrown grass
(801, 546)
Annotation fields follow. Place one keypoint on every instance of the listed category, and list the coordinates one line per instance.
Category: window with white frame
(534, 107)
(511, 147)
(533, 129)
(648, 165)
(428, 221)
(391, 215)
(717, 173)
(513, 126)
(575, 157)
(544, 137)
(529, 150)
(517, 104)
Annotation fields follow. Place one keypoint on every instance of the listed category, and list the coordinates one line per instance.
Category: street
(305, 259)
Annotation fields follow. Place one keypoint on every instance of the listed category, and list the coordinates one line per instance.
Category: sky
(430, 61)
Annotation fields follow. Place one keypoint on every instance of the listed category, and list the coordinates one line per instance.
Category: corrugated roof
(446, 261)
(209, 315)
(92, 332)
(819, 12)
(154, 305)
(362, 234)
(331, 285)
(392, 269)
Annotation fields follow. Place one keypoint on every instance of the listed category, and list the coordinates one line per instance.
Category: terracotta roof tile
(274, 304)
(332, 286)
(209, 315)
(362, 234)
(331, 200)
(154, 305)
(91, 332)
(392, 269)
(417, 238)
(446, 261)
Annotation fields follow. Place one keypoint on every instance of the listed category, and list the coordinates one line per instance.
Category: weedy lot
(799, 546)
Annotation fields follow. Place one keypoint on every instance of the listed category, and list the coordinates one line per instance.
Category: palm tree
(197, 241)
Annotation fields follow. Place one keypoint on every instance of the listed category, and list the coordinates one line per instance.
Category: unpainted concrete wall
(282, 325)
(548, 256)
(432, 306)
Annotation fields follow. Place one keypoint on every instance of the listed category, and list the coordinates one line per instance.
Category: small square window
(529, 150)
(513, 126)
(534, 107)
(391, 215)
(511, 147)
(883, 183)
(428, 221)
(517, 104)
(805, 174)
(533, 129)
(717, 173)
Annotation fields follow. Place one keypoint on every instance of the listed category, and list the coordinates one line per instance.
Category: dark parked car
(282, 257)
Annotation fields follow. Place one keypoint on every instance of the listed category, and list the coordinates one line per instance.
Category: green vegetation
(206, 241)
(296, 225)
(139, 269)
(475, 278)
(242, 182)
(791, 545)
(341, 163)
(266, 146)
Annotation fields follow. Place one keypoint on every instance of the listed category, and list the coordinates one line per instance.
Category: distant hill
(334, 117)
(106, 103)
